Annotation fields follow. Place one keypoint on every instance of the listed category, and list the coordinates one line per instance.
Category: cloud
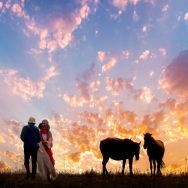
(135, 16)
(73, 101)
(186, 17)
(116, 86)
(17, 9)
(24, 87)
(57, 33)
(1, 5)
(50, 72)
(174, 77)
(121, 4)
(4, 166)
(106, 67)
(2, 139)
(83, 85)
(144, 28)
(103, 56)
(144, 95)
(165, 8)
(151, 73)
(34, 51)
(13, 156)
(125, 54)
(144, 55)
(163, 51)
(94, 86)
(14, 125)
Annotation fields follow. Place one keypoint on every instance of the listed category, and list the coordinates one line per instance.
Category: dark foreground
(89, 180)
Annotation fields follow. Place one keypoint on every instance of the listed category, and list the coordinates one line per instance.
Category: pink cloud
(144, 55)
(174, 77)
(144, 95)
(118, 85)
(17, 9)
(73, 101)
(83, 89)
(57, 33)
(165, 8)
(50, 72)
(125, 54)
(1, 5)
(84, 11)
(186, 17)
(109, 65)
(102, 56)
(135, 16)
(23, 87)
(163, 51)
(15, 126)
(94, 86)
(121, 4)
(8, 4)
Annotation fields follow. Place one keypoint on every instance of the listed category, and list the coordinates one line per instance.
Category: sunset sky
(94, 69)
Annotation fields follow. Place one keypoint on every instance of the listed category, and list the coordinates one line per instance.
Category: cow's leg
(105, 160)
(150, 161)
(154, 166)
(123, 166)
(159, 167)
(131, 166)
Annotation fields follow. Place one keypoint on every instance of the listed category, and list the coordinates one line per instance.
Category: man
(31, 137)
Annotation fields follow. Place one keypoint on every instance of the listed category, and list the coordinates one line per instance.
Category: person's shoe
(27, 176)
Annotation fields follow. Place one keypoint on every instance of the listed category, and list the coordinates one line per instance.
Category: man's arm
(38, 136)
(23, 134)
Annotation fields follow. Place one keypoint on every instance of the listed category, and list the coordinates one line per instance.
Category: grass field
(94, 180)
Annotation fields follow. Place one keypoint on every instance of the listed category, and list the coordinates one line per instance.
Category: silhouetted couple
(37, 145)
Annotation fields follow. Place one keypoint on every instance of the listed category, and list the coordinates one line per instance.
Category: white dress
(45, 167)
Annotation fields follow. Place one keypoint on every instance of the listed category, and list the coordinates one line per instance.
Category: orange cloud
(4, 166)
(2, 139)
(13, 156)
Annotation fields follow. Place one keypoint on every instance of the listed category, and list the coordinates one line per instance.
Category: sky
(94, 69)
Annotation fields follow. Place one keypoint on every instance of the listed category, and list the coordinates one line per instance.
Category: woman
(45, 158)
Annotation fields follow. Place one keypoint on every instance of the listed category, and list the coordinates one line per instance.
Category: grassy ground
(93, 180)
